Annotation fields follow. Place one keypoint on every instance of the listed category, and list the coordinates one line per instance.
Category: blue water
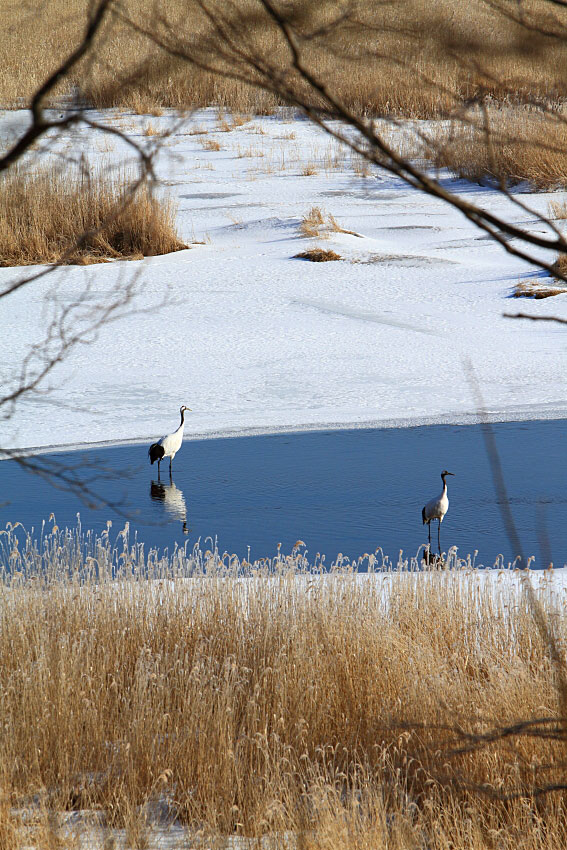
(339, 491)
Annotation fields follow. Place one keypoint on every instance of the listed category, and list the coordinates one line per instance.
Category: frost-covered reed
(341, 709)
(53, 553)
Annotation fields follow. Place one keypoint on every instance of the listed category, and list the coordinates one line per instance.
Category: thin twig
(533, 318)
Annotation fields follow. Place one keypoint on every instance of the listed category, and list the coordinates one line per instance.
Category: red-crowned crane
(169, 445)
(436, 509)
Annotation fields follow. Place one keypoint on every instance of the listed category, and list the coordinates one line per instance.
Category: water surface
(345, 491)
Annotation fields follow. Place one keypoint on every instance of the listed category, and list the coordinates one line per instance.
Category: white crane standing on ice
(169, 445)
(436, 509)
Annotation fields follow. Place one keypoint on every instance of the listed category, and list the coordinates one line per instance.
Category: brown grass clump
(537, 289)
(49, 217)
(318, 255)
(346, 711)
(514, 146)
(240, 120)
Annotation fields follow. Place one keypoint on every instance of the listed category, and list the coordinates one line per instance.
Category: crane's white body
(437, 508)
(169, 445)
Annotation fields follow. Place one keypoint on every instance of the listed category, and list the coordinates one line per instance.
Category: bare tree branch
(40, 125)
(533, 318)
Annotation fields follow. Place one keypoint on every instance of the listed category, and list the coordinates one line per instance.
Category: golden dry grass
(211, 145)
(514, 145)
(537, 289)
(321, 711)
(319, 222)
(312, 223)
(47, 216)
(411, 58)
(558, 209)
(560, 265)
(309, 170)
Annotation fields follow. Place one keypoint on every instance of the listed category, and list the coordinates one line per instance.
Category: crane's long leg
(170, 478)
(429, 530)
(158, 463)
(439, 535)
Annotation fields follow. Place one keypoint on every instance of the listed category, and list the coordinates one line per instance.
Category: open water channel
(347, 491)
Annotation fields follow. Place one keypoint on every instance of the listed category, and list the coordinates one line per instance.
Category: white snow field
(254, 340)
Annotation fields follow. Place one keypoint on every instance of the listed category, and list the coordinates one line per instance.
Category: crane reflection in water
(172, 499)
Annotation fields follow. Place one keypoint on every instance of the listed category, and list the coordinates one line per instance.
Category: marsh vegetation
(50, 215)
(261, 700)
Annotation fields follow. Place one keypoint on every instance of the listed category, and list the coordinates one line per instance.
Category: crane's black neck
(182, 418)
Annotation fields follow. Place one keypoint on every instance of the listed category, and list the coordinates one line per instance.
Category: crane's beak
(450, 473)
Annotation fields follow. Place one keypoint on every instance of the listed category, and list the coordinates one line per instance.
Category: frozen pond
(347, 491)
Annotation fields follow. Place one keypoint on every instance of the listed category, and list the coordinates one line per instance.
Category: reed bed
(407, 58)
(261, 700)
(49, 216)
(506, 146)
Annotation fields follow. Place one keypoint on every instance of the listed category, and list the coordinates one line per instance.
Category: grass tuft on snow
(319, 222)
(560, 265)
(318, 255)
(537, 289)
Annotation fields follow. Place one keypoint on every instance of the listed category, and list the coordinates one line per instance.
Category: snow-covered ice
(255, 340)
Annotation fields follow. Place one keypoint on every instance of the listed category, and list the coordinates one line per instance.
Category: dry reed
(537, 289)
(318, 222)
(442, 58)
(558, 209)
(514, 145)
(321, 711)
(560, 265)
(312, 223)
(48, 217)
(211, 145)
(413, 58)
